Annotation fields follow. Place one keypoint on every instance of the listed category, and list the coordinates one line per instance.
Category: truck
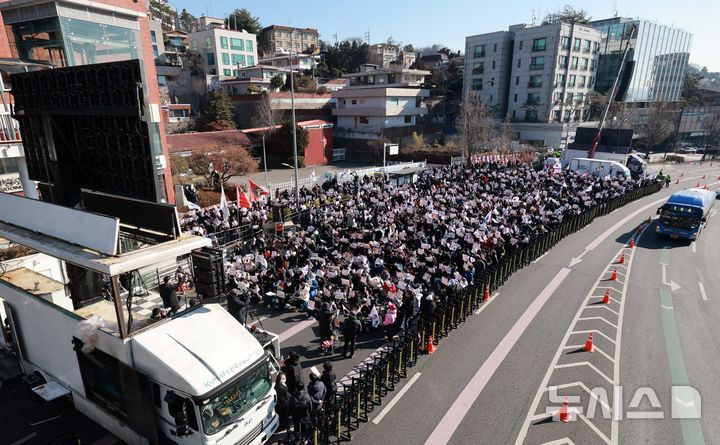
(635, 164)
(685, 213)
(599, 167)
(76, 316)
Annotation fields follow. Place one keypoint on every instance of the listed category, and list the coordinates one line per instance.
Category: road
(491, 380)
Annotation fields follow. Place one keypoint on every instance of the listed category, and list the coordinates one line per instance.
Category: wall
(320, 145)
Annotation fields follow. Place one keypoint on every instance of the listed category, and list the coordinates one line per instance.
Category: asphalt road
(491, 380)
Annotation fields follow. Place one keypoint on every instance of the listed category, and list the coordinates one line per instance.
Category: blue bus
(685, 213)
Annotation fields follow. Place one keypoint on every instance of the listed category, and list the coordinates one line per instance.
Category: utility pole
(294, 124)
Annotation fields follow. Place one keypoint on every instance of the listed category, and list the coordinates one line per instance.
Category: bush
(207, 198)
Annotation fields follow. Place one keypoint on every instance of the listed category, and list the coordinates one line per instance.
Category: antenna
(367, 36)
(335, 37)
(614, 8)
(532, 21)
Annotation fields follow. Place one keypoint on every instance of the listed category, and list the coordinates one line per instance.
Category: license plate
(674, 236)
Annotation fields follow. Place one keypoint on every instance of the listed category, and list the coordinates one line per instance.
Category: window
(569, 98)
(560, 80)
(518, 63)
(576, 44)
(479, 51)
(586, 46)
(591, 82)
(533, 99)
(408, 119)
(493, 65)
(584, 64)
(557, 98)
(364, 119)
(393, 101)
(581, 80)
(491, 98)
(236, 73)
(567, 116)
(238, 59)
(225, 58)
(537, 63)
(573, 63)
(193, 44)
(237, 44)
(208, 42)
(278, 33)
(556, 115)
(223, 42)
(248, 45)
(353, 102)
(477, 84)
(563, 61)
(495, 47)
(153, 37)
(162, 80)
(592, 64)
(251, 60)
(535, 81)
(211, 58)
(565, 41)
(155, 51)
(571, 81)
(539, 44)
(596, 47)
(517, 80)
(578, 98)
(227, 72)
(478, 68)
(520, 45)
(515, 97)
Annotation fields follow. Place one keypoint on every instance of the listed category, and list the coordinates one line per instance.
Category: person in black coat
(329, 378)
(324, 317)
(169, 295)
(350, 329)
(293, 372)
(301, 408)
(283, 405)
(237, 305)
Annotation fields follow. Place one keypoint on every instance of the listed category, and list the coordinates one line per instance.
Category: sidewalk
(278, 176)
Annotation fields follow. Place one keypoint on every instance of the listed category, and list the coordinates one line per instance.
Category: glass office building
(655, 67)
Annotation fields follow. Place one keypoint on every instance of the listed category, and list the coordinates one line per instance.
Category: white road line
(484, 305)
(692, 245)
(24, 439)
(601, 333)
(395, 399)
(588, 364)
(702, 291)
(597, 318)
(563, 441)
(602, 306)
(541, 257)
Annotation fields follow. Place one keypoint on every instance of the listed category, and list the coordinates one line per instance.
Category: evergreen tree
(219, 114)
(241, 19)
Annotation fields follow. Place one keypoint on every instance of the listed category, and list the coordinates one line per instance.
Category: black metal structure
(82, 127)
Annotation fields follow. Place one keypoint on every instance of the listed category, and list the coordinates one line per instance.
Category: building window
(491, 98)
(278, 33)
(596, 47)
(236, 73)
(153, 36)
(223, 42)
(579, 98)
(408, 119)
(251, 60)
(539, 44)
(393, 101)
(560, 80)
(211, 59)
(520, 44)
(227, 72)
(537, 63)
(573, 63)
(478, 68)
(586, 46)
(494, 47)
(517, 80)
(556, 115)
(569, 98)
(479, 51)
(557, 98)
(208, 42)
(155, 51)
(193, 44)
(353, 102)
(591, 82)
(515, 97)
(364, 119)
(248, 45)
(162, 81)
(513, 116)
(518, 63)
(535, 81)
(238, 59)
(571, 81)
(576, 44)
(584, 64)
(493, 65)
(565, 41)
(237, 44)
(581, 82)
(533, 99)
(563, 61)
(225, 58)
(477, 84)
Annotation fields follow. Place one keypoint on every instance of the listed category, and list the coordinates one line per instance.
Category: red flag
(243, 201)
(257, 189)
(237, 195)
(253, 198)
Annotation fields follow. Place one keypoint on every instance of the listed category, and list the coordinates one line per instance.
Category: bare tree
(711, 126)
(567, 14)
(658, 126)
(477, 124)
(505, 134)
(620, 116)
(265, 116)
(229, 162)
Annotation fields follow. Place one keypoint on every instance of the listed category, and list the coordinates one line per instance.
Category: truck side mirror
(176, 408)
(659, 210)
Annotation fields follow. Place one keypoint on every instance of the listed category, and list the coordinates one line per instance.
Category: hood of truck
(197, 351)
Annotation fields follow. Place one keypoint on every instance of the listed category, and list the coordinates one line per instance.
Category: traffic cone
(632, 243)
(706, 187)
(487, 293)
(704, 176)
(622, 259)
(698, 184)
(563, 414)
(718, 178)
(589, 344)
(430, 347)
(606, 297)
(613, 277)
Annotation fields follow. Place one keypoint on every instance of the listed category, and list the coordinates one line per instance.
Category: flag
(253, 197)
(257, 189)
(243, 201)
(224, 204)
(192, 206)
(313, 176)
(487, 219)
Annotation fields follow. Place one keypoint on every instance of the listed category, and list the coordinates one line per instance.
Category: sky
(429, 22)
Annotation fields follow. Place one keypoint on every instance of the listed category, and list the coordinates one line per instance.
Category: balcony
(539, 66)
(534, 84)
(9, 130)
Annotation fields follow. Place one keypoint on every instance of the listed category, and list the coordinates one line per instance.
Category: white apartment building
(535, 74)
(223, 51)
(375, 99)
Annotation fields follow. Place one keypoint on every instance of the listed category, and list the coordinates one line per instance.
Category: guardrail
(359, 394)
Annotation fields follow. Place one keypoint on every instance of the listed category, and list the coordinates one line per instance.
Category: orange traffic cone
(622, 259)
(563, 414)
(613, 277)
(698, 184)
(606, 297)
(718, 178)
(487, 293)
(704, 176)
(632, 243)
(706, 187)
(589, 344)
(431, 347)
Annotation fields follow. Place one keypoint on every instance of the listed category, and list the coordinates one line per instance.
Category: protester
(282, 406)
(316, 390)
(293, 372)
(329, 378)
(389, 322)
(351, 327)
(237, 305)
(168, 294)
(301, 409)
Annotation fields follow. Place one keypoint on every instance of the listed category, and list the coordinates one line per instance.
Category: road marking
(578, 258)
(459, 409)
(541, 257)
(673, 285)
(296, 328)
(563, 441)
(667, 307)
(596, 318)
(692, 245)
(599, 240)
(484, 305)
(702, 291)
(24, 439)
(691, 430)
(588, 364)
(395, 399)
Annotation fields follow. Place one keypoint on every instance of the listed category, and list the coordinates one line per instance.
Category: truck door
(138, 396)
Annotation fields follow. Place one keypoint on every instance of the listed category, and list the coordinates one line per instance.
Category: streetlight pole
(294, 124)
(267, 184)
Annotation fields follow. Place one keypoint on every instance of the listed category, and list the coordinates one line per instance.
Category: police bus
(685, 213)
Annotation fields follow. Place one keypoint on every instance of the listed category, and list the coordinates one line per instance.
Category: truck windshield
(227, 406)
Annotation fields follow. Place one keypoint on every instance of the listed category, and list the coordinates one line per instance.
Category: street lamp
(294, 124)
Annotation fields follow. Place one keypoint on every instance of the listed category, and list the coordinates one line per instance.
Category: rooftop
(388, 71)
(208, 140)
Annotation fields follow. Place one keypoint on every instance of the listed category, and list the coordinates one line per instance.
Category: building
(320, 140)
(655, 67)
(536, 74)
(163, 12)
(386, 54)
(380, 98)
(299, 40)
(69, 33)
(252, 79)
(298, 61)
(223, 51)
(308, 106)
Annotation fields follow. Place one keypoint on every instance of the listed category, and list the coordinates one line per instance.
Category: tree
(229, 162)
(277, 81)
(619, 116)
(218, 114)
(658, 126)
(711, 126)
(567, 14)
(346, 56)
(409, 48)
(475, 130)
(265, 116)
(531, 107)
(691, 89)
(302, 83)
(187, 21)
(179, 166)
(597, 102)
(241, 19)
(506, 134)
(280, 144)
